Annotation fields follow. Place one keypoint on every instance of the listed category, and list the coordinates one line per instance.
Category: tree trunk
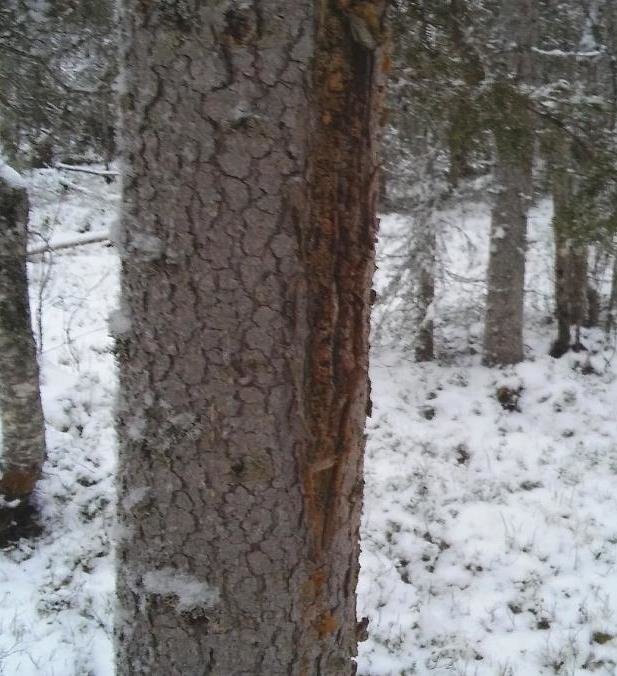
(249, 218)
(503, 337)
(23, 425)
(592, 317)
(571, 286)
(611, 319)
(425, 296)
(513, 132)
(570, 290)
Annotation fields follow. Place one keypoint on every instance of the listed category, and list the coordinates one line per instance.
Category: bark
(249, 227)
(503, 338)
(592, 318)
(23, 425)
(513, 132)
(425, 296)
(571, 287)
(612, 301)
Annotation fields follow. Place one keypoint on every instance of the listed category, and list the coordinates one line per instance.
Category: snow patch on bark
(119, 323)
(136, 427)
(189, 592)
(134, 497)
(117, 234)
(10, 176)
(147, 247)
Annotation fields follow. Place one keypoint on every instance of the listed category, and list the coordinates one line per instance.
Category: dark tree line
(522, 94)
(57, 69)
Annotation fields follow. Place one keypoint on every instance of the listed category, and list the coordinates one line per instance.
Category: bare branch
(88, 238)
(85, 170)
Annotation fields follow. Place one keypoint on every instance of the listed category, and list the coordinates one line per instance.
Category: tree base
(558, 348)
(17, 522)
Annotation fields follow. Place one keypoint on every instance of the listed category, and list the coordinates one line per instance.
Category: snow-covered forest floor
(489, 535)
(56, 592)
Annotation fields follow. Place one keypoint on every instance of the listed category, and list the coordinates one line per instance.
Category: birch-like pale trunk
(23, 425)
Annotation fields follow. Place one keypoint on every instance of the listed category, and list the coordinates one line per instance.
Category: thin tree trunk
(23, 425)
(612, 302)
(570, 268)
(592, 318)
(570, 291)
(249, 209)
(425, 296)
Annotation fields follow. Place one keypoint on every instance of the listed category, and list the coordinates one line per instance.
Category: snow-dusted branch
(86, 170)
(82, 240)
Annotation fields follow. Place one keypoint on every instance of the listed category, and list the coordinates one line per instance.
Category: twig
(69, 185)
(92, 238)
(85, 170)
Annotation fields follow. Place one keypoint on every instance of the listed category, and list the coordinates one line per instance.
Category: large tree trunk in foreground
(248, 253)
(23, 425)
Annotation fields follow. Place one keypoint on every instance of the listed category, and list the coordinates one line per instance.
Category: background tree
(576, 112)
(435, 147)
(468, 101)
(510, 65)
(57, 65)
(425, 297)
(23, 425)
(249, 212)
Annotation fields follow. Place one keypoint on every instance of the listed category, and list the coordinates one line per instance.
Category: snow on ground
(56, 592)
(489, 536)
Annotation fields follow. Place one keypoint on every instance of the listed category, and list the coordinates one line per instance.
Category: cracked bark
(23, 425)
(249, 226)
